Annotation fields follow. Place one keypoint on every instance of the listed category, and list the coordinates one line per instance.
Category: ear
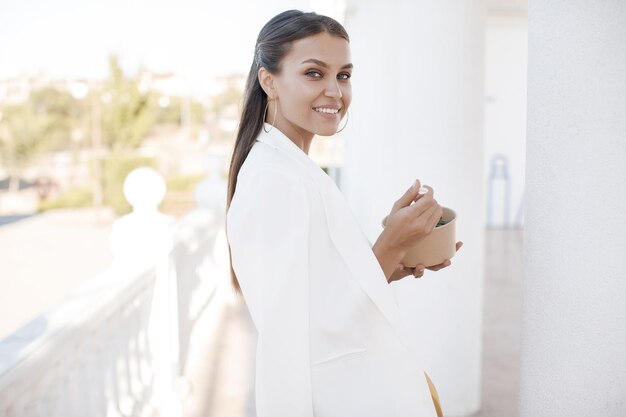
(266, 79)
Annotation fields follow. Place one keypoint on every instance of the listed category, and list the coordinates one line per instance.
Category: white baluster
(112, 350)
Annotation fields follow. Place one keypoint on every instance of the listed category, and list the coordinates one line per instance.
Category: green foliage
(60, 109)
(181, 183)
(171, 115)
(21, 134)
(197, 113)
(40, 124)
(74, 198)
(128, 113)
(115, 169)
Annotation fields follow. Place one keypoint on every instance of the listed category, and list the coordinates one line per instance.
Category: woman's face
(313, 87)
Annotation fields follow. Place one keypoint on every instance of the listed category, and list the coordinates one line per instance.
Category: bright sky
(197, 39)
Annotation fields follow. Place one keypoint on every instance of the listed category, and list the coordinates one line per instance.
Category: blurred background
(91, 91)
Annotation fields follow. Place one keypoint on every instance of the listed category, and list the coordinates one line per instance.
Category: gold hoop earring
(265, 112)
(346, 124)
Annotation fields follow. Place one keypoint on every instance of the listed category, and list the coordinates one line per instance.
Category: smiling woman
(312, 91)
(331, 341)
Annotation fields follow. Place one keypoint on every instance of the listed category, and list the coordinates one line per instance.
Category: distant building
(16, 90)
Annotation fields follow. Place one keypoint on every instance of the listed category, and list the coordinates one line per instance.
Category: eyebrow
(323, 64)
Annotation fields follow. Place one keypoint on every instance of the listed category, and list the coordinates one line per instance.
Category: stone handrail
(118, 344)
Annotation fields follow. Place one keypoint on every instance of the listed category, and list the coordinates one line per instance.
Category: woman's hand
(402, 271)
(412, 216)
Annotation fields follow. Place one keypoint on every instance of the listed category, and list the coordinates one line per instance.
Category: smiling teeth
(323, 110)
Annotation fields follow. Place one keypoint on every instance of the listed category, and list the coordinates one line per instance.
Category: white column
(573, 360)
(418, 113)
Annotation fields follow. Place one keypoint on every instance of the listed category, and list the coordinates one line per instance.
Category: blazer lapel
(345, 232)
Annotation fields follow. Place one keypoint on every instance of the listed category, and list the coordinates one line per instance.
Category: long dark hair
(272, 45)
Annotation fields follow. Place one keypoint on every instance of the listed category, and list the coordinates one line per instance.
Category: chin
(328, 131)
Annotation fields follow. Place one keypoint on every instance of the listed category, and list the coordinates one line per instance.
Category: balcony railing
(117, 346)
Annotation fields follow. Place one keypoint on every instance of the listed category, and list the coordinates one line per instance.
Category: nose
(333, 89)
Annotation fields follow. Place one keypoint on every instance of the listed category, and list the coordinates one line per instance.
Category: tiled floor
(221, 365)
(221, 374)
(502, 317)
(45, 257)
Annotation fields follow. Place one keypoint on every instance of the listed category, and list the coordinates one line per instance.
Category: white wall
(573, 356)
(417, 112)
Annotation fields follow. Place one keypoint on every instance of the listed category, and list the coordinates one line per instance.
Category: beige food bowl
(435, 247)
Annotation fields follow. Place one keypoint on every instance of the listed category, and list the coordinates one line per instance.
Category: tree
(61, 109)
(32, 127)
(128, 113)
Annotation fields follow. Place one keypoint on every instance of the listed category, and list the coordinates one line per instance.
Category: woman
(330, 338)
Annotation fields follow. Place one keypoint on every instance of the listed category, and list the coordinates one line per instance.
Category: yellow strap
(435, 395)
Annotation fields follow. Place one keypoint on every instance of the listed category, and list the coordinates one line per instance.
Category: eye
(344, 76)
(319, 74)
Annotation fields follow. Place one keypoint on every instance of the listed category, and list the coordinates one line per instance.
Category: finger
(431, 192)
(458, 245)
(424, 191)
(430, 216)
(418, 271)
(407, 270)
(425, 206)
(422, 223)
(442, 265)
(410, 195)
(400, 274)
(435, 216)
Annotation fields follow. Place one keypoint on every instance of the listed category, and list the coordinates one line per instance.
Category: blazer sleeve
(269, 238)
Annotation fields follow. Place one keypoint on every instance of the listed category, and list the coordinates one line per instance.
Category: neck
(303, 144)
(296, 134)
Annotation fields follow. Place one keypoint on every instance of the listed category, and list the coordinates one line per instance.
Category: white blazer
(331, 342)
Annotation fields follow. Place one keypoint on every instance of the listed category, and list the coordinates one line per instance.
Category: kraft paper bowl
(435, 247)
